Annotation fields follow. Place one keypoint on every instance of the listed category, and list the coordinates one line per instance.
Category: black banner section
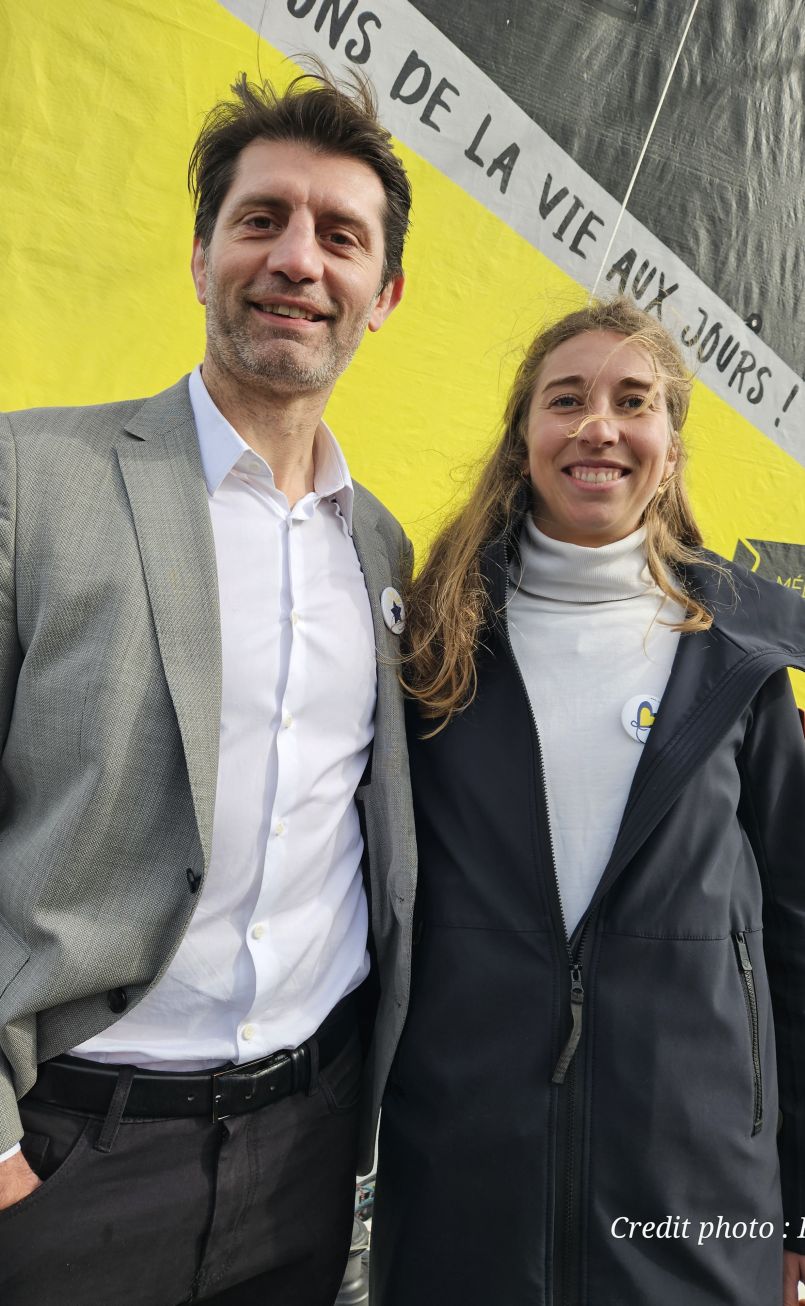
(723, 182)
(783, 563)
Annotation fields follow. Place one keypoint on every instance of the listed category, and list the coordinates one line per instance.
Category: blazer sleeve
(10, 652)
(772, 763)
(13, 953)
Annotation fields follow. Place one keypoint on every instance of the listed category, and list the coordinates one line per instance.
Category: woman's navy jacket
(650, 1174)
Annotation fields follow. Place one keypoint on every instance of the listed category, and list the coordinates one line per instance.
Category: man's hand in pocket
(17, 1180)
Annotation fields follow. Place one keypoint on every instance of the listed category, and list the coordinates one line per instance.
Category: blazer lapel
(390, 836)
(389, 754)
(161, 467)
(379, 572)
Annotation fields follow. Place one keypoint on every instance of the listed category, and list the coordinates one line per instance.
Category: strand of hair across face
(646, 142)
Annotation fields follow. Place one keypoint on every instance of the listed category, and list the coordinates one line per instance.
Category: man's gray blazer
(110, 691)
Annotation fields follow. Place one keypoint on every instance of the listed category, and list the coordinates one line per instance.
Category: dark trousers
(254, 1210)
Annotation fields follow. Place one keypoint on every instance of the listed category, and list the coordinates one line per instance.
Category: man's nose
(295, 251)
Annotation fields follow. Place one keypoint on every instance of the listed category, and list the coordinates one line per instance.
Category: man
(192, 596)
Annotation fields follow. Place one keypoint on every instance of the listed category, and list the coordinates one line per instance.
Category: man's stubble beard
(279, 363)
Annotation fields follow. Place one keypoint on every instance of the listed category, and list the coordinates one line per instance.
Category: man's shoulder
(95, 423)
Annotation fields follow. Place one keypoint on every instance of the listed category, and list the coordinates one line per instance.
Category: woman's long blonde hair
(448, 605)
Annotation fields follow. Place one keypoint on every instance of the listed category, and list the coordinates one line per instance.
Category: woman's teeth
(596, 477)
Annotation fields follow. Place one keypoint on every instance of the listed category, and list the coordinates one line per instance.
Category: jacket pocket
(750, 997)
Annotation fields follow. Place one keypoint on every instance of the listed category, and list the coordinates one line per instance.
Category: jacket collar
(754, 614)
(221, 448)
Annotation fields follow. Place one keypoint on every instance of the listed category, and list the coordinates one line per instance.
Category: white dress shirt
(590, 631)
(279, 934)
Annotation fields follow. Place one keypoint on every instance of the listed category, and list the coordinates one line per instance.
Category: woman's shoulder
(751, 610)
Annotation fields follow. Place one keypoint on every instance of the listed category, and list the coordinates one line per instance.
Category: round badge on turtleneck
(638, 716)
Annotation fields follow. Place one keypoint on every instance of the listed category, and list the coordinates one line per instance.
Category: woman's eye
(635, 402)
(564, 401)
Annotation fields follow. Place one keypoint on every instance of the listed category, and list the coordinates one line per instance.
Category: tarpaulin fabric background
(723, 181)
(520, 123)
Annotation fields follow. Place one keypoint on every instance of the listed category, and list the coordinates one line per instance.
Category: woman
(609, 779)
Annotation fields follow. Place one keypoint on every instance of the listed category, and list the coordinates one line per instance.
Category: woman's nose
(597, 430)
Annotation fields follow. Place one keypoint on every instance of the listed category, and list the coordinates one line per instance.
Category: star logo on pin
(393, 609)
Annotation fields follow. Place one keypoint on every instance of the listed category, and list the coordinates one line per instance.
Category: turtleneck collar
(570, 573)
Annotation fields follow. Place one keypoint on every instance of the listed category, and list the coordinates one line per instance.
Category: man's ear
(386, 302)
(198, 267)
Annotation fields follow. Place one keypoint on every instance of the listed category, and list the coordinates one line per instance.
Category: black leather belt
(88, 1086)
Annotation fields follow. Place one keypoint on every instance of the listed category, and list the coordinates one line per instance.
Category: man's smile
(286, 310)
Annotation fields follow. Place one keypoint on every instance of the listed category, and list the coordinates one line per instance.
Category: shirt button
(287, 720)
(258, 931)
(294, 617)
(279, 828)
(248, 1032)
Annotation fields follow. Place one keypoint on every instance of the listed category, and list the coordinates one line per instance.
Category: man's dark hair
(316, 111)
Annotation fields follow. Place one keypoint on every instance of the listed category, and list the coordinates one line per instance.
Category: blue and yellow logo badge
(638, 716)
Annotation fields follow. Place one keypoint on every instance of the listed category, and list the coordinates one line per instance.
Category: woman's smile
(595, 474)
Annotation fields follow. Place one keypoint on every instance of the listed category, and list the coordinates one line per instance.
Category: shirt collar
(221, 448)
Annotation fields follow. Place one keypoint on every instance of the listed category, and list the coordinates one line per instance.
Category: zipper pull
(569, 1051)
(743, 954)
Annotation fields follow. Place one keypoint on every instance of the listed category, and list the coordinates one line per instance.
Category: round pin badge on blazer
(638, 716)
(393, 609)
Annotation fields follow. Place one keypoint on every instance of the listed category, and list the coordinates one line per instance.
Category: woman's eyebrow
(564, 380)
(631, 381)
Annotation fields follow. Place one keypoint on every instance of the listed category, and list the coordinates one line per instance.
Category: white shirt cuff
(12, 1151)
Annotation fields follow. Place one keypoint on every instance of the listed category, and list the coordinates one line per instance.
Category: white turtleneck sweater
(590, 632)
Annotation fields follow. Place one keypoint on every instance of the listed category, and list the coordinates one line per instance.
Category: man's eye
(261, 222)
(342, 238)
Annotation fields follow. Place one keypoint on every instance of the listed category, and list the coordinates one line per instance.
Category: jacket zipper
(574, 960)
(750, 997)
(567, 1231)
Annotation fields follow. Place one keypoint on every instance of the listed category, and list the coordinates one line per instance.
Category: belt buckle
(218, 1076)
